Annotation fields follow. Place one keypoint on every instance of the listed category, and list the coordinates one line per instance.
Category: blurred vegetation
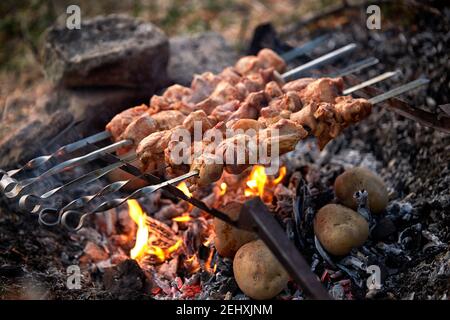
(22, 23)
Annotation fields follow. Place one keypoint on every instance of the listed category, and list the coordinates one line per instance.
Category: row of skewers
(253, 94)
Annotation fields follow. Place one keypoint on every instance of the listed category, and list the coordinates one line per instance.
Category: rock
(26, 131)
(45, 113)
(113, 50)
(196, 54)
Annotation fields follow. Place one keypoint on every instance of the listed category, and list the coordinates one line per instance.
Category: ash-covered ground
(413, 160)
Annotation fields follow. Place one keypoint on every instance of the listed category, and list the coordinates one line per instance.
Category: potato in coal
(340, 229)
(359, 178)
(229, 239)
(257, 272)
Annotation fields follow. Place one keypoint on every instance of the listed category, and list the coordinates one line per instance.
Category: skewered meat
(223, 112)
(322, 90)
(120, 122)
(247, 125)
(198, 116)
(151, 149)
(297, 85)
(139, 128)
(169, 119)
(272, 90)
(266, 58)
(242, 150)
(289, 101)
(207, 91)
(327, 120)
(147, 124)
(208, 169)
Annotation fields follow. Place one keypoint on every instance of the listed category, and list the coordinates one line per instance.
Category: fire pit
(342, 218)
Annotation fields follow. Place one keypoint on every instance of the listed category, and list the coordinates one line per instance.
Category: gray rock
(113, 50)
(37, 119)
(199, 53)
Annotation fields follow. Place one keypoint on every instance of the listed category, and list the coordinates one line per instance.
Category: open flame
(258, 181)
(138, 216)
(144, 243)
(183, 187)
(223, 188)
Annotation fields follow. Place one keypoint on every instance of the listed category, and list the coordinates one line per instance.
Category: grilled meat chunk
(120, 122)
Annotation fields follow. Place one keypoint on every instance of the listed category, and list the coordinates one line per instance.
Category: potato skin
(340, 229)
(358, 178)
(229, 239)
(257, 272)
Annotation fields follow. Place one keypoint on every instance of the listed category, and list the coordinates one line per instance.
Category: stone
(113, 50)
(196, 54)
(37, 121)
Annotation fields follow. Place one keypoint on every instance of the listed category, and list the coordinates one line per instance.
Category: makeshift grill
(255, 216)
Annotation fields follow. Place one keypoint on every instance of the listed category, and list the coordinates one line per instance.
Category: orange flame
(258, 181)
(183, 187)
(143, 245)
(223, 188)
(138, 216)
(183, 218)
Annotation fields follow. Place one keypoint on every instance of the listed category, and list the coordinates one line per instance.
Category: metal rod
(110, 204)
(39, 161)
(304, 49)
(16, 187)
(355, 67)
(329, 57)
(399, 90)
(33, 202)
(370, 82)
(69, 148)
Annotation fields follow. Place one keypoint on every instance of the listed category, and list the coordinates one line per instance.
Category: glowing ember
(138, 216)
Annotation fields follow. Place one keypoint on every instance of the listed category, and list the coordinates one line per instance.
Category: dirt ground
(413, 160)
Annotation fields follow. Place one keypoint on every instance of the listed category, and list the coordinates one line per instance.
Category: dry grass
(23, 23)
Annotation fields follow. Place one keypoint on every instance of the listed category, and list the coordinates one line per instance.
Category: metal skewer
(69, 148)
(355, 67)
(198, 203)
(13, 188)
(370, 82)
(142, 192)
(327, 58)
(33, 203)
(81, 202)
(399, 90)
